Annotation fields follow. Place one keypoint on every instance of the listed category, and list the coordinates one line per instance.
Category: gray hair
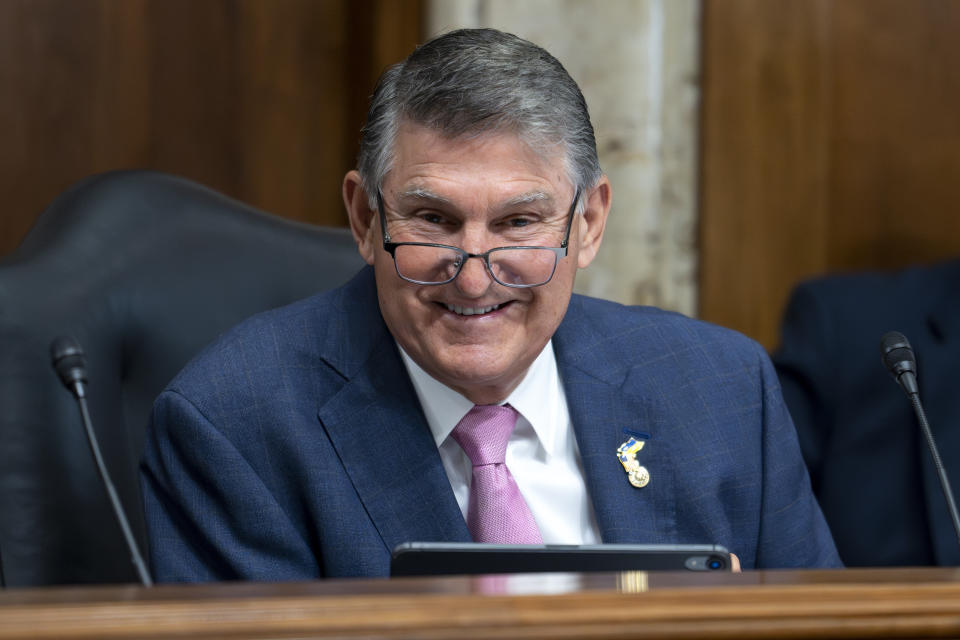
(469, 82)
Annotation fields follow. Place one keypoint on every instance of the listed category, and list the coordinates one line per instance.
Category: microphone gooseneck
(71, 366)
(898, 357)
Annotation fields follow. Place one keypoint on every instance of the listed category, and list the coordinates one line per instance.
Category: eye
(519, 222)
(433, 218)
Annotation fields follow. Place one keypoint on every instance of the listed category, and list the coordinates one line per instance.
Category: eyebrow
(424, 194)
(528, 198)
(421, 193)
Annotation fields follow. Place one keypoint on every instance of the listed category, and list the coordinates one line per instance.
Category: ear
(593, 221)
(361, 215)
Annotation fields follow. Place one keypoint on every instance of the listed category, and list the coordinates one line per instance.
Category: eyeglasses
(519, 267)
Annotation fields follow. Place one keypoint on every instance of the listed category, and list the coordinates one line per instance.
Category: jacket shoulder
(285, 335)
(642, 333)
(305, 349)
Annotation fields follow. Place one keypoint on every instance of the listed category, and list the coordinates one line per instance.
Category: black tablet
(455, 558)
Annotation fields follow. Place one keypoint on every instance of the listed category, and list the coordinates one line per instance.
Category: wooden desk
(905, 603)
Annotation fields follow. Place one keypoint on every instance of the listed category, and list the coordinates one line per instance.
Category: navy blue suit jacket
(870, 468)
(295, 446)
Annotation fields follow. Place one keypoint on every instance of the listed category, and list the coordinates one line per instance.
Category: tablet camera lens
(715, 564)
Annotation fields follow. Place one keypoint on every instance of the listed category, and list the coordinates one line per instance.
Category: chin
(469, 374)
(473, 373)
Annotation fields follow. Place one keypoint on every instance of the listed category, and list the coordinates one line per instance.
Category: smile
(470, 311)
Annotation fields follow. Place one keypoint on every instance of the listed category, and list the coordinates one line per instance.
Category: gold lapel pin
(627, 454)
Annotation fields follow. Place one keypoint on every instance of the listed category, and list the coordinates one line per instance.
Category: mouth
(471, 311)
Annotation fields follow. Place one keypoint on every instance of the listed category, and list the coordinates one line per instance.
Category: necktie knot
(484, 432)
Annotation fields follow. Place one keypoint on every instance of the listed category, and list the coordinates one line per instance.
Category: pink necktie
(497, 510)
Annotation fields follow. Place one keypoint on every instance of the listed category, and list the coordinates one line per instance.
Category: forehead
(493, 167)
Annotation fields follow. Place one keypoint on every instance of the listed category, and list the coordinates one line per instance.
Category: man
(312, 440)
(871, 470)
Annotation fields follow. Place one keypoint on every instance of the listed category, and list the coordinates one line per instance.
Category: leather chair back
(143, 269)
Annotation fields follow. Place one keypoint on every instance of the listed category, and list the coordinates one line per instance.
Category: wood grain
(262, 100)
(829, 142)
(798, 604)
(896, 141)
(764, 164)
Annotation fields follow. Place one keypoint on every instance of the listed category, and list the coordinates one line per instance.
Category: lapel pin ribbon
(627, 454)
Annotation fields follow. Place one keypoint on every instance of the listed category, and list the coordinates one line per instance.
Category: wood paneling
(895, 137)
(830, 141)
(260, 99)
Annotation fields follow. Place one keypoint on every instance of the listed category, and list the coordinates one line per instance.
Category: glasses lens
(425, 264)
(523, 267)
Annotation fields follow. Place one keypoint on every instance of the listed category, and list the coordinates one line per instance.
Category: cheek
(550, 303)
(561, 287)
(387, 290)
(398, 301)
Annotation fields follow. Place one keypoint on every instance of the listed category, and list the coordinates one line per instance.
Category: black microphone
(897, 356)
(71, 366)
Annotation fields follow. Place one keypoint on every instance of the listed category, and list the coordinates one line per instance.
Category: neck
(487, 395)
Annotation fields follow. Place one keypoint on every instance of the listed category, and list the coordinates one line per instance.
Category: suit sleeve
(209, 515)
(793, 531)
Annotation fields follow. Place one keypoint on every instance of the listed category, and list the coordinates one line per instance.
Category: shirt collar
(539, 398)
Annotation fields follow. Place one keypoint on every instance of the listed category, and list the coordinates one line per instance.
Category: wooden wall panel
(260, 99)
(896, 133)
(830, 141)
(764, 158)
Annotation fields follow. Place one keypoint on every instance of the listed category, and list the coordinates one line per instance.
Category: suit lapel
(938, 352)
(378, 430)
(604, 415)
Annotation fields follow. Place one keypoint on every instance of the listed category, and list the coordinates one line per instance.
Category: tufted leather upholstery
(143, 269)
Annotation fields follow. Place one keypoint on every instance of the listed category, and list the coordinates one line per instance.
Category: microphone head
(897, 356)
(67, 358)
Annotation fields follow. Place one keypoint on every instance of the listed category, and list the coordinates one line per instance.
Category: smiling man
(456, 389)
(475, 331)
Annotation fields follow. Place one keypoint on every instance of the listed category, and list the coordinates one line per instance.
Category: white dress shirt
(542, 453)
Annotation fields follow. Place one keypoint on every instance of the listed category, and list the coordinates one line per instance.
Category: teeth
(471, 311)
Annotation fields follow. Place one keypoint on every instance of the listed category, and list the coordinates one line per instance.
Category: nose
(474, 280)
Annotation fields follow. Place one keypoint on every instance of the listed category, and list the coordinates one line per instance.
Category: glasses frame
(391, 247)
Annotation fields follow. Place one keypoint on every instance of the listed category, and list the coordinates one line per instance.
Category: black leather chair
(143, 269)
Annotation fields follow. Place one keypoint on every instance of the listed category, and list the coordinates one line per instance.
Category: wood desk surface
(897, 603)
